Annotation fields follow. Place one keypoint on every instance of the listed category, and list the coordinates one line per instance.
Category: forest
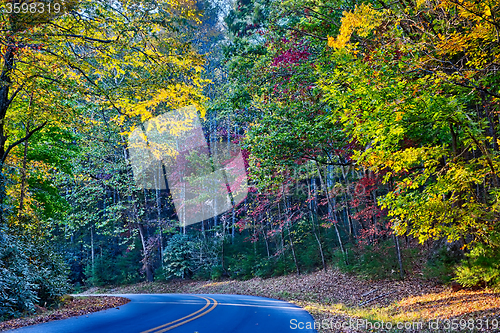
(369, 132)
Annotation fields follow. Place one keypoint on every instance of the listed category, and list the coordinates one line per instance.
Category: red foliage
(292, 56)
(369, 215)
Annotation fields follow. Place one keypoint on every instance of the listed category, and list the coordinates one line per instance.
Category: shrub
(206, 257)
(112, 268)
(128, 268)
(177, 257)
(481, 266)
(51, 277)
(29, 274)
(102, 273)
(216, 273)
(17, 285)
(377, 261)
(441, 265)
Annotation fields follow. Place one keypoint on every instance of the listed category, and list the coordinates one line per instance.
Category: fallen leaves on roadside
(76, 307)
(447, 304)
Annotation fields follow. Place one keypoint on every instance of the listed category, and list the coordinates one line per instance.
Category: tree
(126, 56)
(419, 96)
(83, 66)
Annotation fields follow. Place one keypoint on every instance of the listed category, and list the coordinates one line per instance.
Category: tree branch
(12, 145)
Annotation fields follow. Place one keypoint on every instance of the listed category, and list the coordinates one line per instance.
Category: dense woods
(369, 131)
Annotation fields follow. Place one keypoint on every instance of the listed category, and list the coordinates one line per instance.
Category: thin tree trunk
(213, 151)
(158, 212)
(5, 84)
(146, 257)
(23, 174)
(293, 250)
(265, 235)
(491, 122)
(92, 252)
(312, 210)
(282, 238)
(233, 224)
(233, 215)
(398, 252)
(332, 207)
(183, 212)
(288, 224)
(254, 228)
(223, 238)
(347, 209)
(267, 246)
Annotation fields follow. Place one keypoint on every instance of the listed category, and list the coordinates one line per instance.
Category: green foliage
(101, 273)
(17, 285)
(441, 265)
(242, 265)
(274, 266)
(308, 254)
(51, 276)
(127, 267)
(375, 261)
(206, 257)
(177, 257)
(114, 270)
(481, 266)
(204, 273)
(29, 274)
(245, 259)
(216, 272)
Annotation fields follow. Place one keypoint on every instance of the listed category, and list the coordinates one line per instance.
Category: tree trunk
(23, 175)
(148, 268)
(213, 153)
(92, 251)
(265, 234)
(233, 224)
(223, 239)
(347, 209)
(332, 208)
(5, 83)
(313, 214)
(282, 238)
(398, 252)
(288, 226)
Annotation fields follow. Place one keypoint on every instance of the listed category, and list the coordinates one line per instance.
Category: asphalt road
(157, 313)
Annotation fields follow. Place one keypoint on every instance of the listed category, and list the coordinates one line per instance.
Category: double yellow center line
(181, 321)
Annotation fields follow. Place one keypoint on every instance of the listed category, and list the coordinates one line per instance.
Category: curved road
(158, 313)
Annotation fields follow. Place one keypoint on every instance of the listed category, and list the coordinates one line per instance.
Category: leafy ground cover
(333, 298)
(72, 307)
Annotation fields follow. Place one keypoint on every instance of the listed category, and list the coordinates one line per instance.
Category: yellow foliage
(478, 19)
(118, 58)
(362, 20)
